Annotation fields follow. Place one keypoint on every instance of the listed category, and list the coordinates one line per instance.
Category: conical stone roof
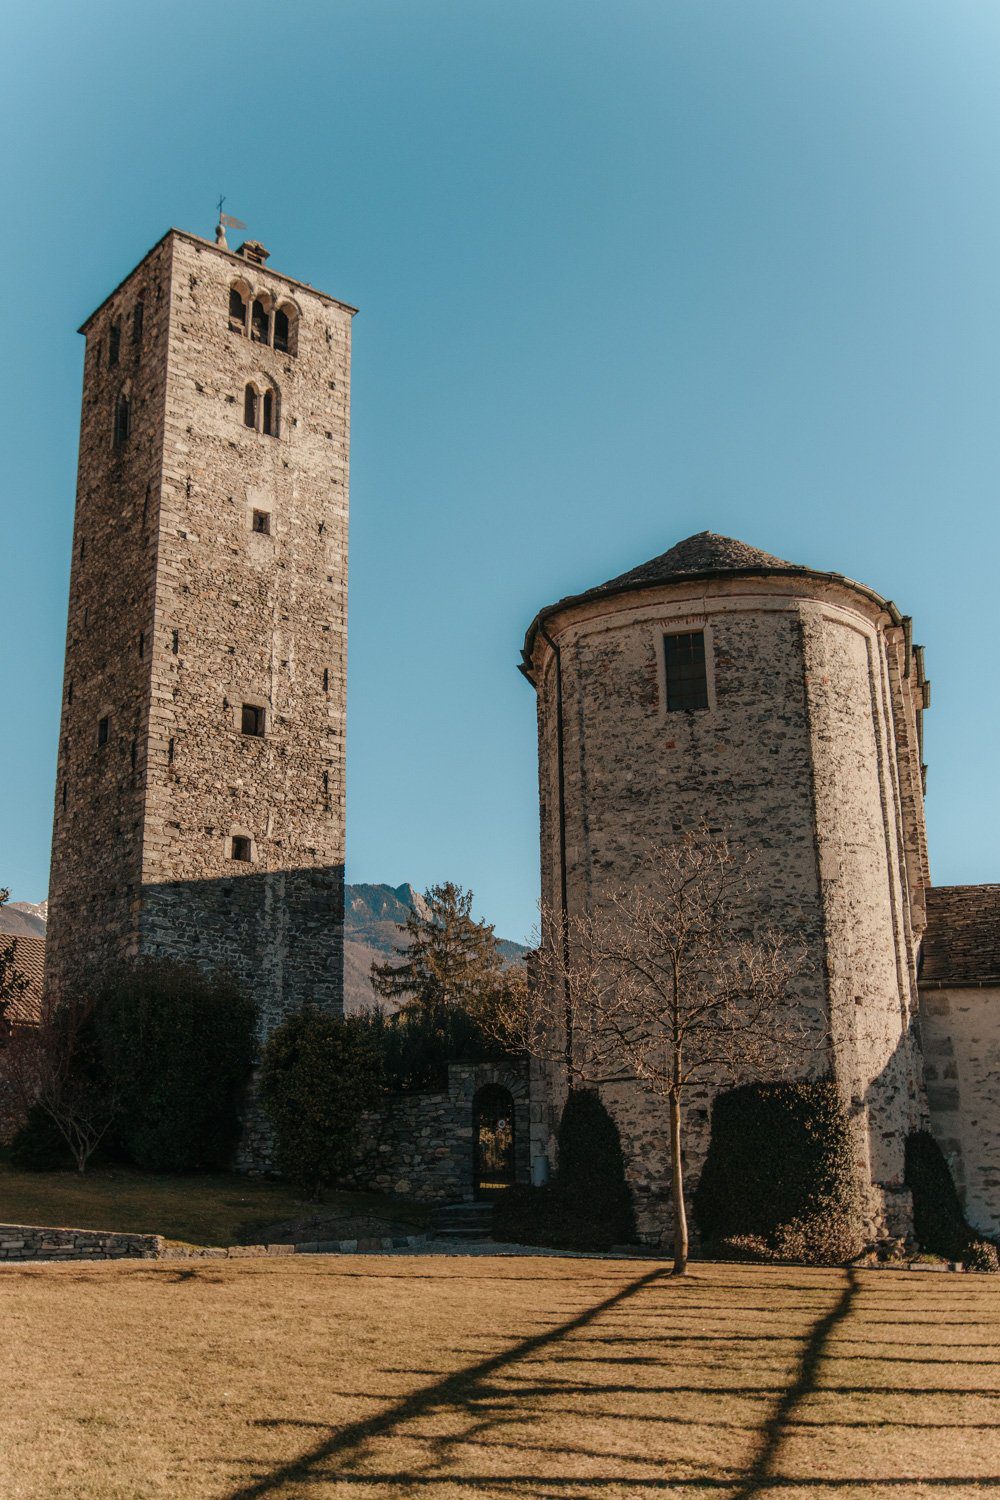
(705, 555)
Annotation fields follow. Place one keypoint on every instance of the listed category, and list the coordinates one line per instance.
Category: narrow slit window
(268, 422)
(175, 642)
(262, 522)
(137, 316)
(250, 401)
(170, 751)
(133, 752)
(253, 720)
(281, 331)
(64, 795)
(326, 679)
(241, 848)
(114, 344)
(142, 643)
(103, 729)
(687, 679)
(123, 421)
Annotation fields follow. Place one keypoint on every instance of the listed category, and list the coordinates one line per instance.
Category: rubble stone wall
(422, 1145)
(220, 580)
(961, 1043)
(797, 758)
(27, 1242)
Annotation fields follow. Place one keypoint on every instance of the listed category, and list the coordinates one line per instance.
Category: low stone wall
(29, 1242)
(421, 1145)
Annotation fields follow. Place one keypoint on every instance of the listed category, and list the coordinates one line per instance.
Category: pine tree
(448, 960)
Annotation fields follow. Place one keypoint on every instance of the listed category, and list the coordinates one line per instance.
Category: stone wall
(802, 757)
(422, 1145)
(961, 1043)
(27, 1242)
(214, 571)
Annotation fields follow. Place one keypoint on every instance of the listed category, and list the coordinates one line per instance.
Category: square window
(687, 680)
(103, 727)
(253, 720)
(262, 522)
(241, 848)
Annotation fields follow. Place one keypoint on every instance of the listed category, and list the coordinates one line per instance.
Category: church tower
(199, 807)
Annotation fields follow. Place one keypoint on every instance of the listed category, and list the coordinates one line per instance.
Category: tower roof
(705, 555)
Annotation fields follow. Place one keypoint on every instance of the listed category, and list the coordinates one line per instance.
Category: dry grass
(449, 1378)
(203, 1209)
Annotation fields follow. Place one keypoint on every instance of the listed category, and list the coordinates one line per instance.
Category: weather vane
(226, 221)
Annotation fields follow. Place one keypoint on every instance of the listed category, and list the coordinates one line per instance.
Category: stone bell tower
(199, 807)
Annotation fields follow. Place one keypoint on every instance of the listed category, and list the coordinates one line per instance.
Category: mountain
(24, 918)
(373, 915)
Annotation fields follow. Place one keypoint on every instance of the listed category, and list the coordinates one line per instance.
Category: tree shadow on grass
(493, 1396)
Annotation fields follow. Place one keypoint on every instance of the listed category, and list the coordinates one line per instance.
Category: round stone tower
(719, 683)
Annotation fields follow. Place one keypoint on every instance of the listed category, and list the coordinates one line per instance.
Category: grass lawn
(485, 1377)
(210, 1209)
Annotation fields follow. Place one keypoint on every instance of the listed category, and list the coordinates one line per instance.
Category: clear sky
(626, 272)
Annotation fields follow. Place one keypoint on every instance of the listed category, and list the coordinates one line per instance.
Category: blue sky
(625, 272)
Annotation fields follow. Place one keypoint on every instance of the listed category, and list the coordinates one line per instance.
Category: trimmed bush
(592, 1165)
(939, 1223)
(589, 1206)
(319, 1073)
(39, 1146)
(179, 1048)
(779, 1181)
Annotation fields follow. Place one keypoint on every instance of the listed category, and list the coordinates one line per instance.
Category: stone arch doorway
(493, 1139)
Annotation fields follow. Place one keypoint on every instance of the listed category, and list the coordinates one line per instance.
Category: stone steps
(466, 1221)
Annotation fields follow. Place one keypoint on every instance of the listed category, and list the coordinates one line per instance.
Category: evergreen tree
(449, 960)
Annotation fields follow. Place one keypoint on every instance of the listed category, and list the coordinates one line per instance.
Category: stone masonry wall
(790, 760)
(422, 1145)
(26, 1242)
(961, 1043)
(229, 615)
(94, 893)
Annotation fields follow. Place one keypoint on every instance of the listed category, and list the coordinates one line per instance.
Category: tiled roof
(29, 960)
(962, 943)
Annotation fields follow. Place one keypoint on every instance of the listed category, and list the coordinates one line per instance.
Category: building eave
(237, 260)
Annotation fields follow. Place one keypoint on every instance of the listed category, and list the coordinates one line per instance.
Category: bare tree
(54, 1067)
(666, 981)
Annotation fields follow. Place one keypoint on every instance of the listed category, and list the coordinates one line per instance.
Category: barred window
(687, 680)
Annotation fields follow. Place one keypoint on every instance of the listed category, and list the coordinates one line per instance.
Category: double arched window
(262, 319)
(261, 410)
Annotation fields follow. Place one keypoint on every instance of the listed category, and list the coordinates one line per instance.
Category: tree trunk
(677, 1189)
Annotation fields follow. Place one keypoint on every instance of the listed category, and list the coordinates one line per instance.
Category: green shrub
(939, 1223)
(780, 1181)
(319, 1073)
(592, 1165)
(39, 1145)
(418, 1042)
(180, 1049)
(589, 1205)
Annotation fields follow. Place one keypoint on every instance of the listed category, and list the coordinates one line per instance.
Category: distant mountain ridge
(373, 915)
(24, 918)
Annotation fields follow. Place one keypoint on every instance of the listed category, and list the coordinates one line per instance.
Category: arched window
(237, 309)
(259, 322)
(269, 425)
(123, 420)
(251, 403)
(137, 312)
(286, 327)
